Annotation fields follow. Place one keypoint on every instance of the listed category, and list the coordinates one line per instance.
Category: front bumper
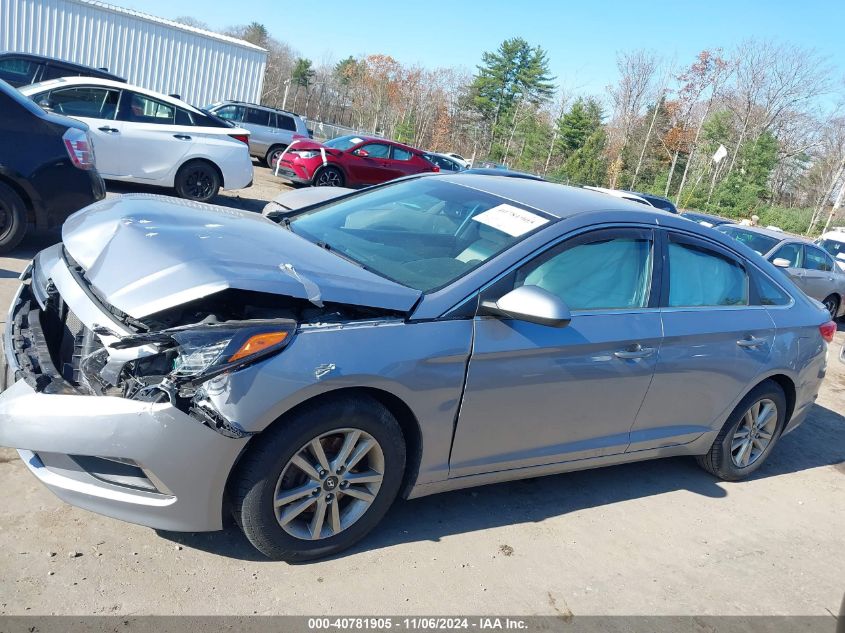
(295, 173)
(181, 464)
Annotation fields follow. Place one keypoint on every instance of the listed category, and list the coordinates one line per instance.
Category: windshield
(423, 233)
(753, 240)
(343, 142)
(834, 247)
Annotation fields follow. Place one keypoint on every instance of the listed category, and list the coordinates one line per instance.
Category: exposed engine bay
(171, 354)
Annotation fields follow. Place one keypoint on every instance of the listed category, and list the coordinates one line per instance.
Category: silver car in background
(270, 130)
(810, 266)
(169, 362)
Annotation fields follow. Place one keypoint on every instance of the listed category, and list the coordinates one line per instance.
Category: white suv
(146, 137)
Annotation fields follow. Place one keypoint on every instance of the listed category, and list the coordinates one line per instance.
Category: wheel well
(788, 387)
(397, 407)
(330, 166)
(208, 162)
(30, 209)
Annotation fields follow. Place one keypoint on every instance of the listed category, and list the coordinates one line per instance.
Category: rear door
(715, 344)
(819, 273)
(261, 134)
(156, 136)
(541, 395)
(97, 106)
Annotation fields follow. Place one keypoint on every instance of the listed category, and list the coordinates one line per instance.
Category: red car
(350, 161)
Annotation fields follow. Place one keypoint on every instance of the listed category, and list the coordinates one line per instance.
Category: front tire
(197, 180)
(329, 177)
(749, 435)
(13, 223)
(272, 156)
(318, 482)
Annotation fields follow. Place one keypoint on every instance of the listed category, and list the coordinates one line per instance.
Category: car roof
(621, 193)
(781, 236)
(63, 62)
(254, 105)
(107, 83)
(557, 200)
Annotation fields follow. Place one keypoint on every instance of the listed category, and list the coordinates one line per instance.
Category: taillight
(827, 330)
(79, 148)
(243, 138)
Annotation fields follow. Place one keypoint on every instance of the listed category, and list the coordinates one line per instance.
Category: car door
(402, 163)
(715, 344)
(793, 254)
(540, 395)
(368, 164)
(97, 106)
(257, 121)
(820, 280)
(156, 136)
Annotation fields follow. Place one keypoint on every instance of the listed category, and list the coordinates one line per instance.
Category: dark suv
(22, 69)
(46, 168)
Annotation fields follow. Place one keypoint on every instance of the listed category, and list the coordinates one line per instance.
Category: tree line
(757, 130)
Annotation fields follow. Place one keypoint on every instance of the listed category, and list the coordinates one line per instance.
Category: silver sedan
(810, 267)
(170, 362)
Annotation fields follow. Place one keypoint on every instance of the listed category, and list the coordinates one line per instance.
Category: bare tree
(629, 96)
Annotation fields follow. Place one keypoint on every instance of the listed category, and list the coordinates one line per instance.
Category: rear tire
(273, 155)
(329, 177)
(727, 458)
(268, 474)
(197, 180)
(832, 305)
(13, 222)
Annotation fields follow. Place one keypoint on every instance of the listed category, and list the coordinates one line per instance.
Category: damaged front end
(168, 356)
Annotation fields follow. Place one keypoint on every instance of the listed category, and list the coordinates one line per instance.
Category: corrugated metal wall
(146, 51)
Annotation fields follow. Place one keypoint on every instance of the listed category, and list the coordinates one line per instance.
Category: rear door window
(817, 259)
(401, 154)
(701, 276)
(143, 109)
(285, 122)
(257, 117)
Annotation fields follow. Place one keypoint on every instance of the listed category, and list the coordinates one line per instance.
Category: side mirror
(781, 262)
(361, 152)
(531, 304)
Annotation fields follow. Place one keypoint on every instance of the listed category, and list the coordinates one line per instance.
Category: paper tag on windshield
(511, 220)
(356, 140)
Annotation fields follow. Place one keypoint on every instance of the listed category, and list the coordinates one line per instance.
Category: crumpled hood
(146, 253)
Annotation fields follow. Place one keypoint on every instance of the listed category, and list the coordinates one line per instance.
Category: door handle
(750, 341)
(106, 128)
(633, 352)
(182, 137)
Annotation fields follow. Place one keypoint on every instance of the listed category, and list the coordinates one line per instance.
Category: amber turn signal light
(258, 343)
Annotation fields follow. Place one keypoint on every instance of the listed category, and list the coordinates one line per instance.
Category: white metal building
(200, 66)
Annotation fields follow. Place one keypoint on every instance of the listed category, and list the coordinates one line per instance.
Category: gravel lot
(658, 537)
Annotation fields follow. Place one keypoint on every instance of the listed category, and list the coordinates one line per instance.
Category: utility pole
(285, 98)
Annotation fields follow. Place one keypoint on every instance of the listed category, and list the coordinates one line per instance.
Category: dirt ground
(659, 537)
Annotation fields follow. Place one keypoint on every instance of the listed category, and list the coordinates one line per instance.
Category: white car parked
(146, 137)
(834, 243)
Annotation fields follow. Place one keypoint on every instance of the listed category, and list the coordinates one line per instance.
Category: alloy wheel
(832, 306)
(755, 432)
(329, 484)
(199, 183)
(328, 178)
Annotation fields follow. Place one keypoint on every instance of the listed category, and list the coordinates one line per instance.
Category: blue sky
(581, 37)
